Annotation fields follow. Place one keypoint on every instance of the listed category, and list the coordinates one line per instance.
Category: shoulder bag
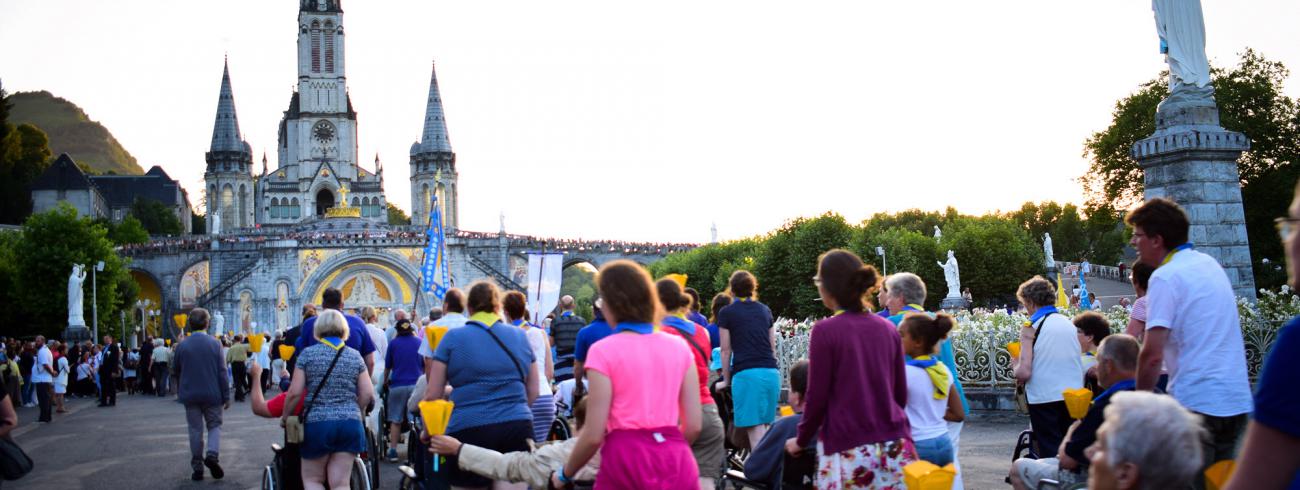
(294, 425)
(523, 378)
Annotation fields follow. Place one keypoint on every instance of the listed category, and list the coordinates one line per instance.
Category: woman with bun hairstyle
(932, 398)
(642, 385)
(708, 447)
(749, 358)
(857, 386)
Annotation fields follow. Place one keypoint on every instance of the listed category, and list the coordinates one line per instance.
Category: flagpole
(419, 284)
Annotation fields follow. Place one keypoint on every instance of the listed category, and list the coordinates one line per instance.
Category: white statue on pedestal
(76, 312)
(937, 234)
(218, 323)
(1047, 250)
(952, 275)
(216, 222)
(1181, 27)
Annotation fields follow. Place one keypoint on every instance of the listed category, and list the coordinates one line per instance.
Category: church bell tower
(433, 165)
(228, 177)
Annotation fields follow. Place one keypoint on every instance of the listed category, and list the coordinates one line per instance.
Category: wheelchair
(560, 428)
(284, 473)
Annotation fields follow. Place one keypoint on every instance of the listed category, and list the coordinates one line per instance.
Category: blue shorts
(397, 398)
(323, 438)
(754, 393)
(937, 450)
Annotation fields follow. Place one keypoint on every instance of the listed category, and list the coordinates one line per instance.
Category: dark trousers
(238, 371)
(107, 388)
(1050, 421)
(266, 380)
(44, 392)
(1224, 434)
(161, 376)
(145, 382)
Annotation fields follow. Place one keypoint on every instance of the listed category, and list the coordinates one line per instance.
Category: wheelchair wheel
(270, 477)
(360, 479)
(373, 455)
(559, 430)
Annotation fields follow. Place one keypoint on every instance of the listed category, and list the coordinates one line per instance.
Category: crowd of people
(877, 391)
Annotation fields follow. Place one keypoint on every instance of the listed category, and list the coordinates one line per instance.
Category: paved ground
(142, 443)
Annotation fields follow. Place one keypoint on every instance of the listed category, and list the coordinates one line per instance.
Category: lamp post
(94, 296)
(884, 261)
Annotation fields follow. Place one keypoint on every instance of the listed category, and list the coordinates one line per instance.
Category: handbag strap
(307, 409)
(1039, 327)
(514, 362)
(690, 340)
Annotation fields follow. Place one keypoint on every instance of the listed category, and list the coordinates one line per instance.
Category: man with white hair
(1146, 441)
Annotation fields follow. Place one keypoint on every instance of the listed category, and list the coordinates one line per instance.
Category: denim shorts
(937, 450)
(397, 398)
(332, 436)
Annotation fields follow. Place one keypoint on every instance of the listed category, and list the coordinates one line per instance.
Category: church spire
(225, 132)
(434, 138)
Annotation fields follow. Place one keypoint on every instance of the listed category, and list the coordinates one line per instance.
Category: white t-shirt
(39, 373)
(924, 412)
(62, 378)
(450, 320)
(1057, 364)
(538, 342)
(381, 354)
(1205, 354)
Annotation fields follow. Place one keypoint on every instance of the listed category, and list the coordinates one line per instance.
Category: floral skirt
(877, 465)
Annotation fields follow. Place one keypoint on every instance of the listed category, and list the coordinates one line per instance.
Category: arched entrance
(324, 201)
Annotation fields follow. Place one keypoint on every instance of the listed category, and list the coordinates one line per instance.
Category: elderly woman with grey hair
(906, 295)
(1049, 364)
(1147, 441)
(339, 384)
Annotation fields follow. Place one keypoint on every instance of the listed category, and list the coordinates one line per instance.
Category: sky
(648, 121)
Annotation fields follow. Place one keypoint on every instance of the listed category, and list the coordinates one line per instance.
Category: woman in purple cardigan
(863, 438)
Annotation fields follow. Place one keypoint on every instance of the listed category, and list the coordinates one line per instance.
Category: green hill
(72, 132)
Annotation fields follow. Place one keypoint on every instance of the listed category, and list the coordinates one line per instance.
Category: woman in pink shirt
(642, 385)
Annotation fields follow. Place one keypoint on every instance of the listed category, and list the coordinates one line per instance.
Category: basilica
(277, 237)
(317, 166)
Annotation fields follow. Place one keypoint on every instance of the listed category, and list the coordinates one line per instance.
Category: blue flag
(435, 256)
(1084, 302)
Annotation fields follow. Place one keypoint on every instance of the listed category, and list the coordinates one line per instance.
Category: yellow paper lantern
(180, 319)
(434, 335)
(255, 343)
(436, 415)
(1077, 401)
(924, 475)
(1014, 349)
(286, 352)
(1217, 475)
(680, 279)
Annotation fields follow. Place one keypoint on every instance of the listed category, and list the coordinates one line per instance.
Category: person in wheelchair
(767, 463)
(533, 468)
(1117, 359)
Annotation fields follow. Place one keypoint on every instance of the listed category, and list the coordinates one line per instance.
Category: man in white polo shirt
(1192, 327)
(43, 378)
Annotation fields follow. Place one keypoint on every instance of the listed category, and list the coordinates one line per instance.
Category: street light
(94, 296)
(884, 261)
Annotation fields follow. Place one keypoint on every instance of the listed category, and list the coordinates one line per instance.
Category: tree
(788, 261)
(708, 268)
(1251, 100)
(396, 216)
(24, 155)
(51, 243)
(5, 106)
(198, 224)
(128, 231)
(906, 250)
(579, 281)
(157, 218)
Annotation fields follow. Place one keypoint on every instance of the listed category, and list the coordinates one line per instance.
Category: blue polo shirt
(404, 359)
(1276, 398)
(488, 387)
(589, 335)
(358, 335)
(750, 326)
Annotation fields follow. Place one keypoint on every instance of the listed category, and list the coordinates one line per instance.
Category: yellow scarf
(938, 372)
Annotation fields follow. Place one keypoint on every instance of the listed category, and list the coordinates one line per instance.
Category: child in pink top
(642, 386)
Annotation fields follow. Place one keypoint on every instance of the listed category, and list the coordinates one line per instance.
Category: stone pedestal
(954, 303)
(1193, 161)
(75, 334)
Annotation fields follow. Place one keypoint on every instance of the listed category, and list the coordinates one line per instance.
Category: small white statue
(216, 222)
(937, 234)
(1047, 250)
(218, 323)
(952, 275)
(76, 311)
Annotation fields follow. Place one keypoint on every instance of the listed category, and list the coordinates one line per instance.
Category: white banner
(545, 271)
